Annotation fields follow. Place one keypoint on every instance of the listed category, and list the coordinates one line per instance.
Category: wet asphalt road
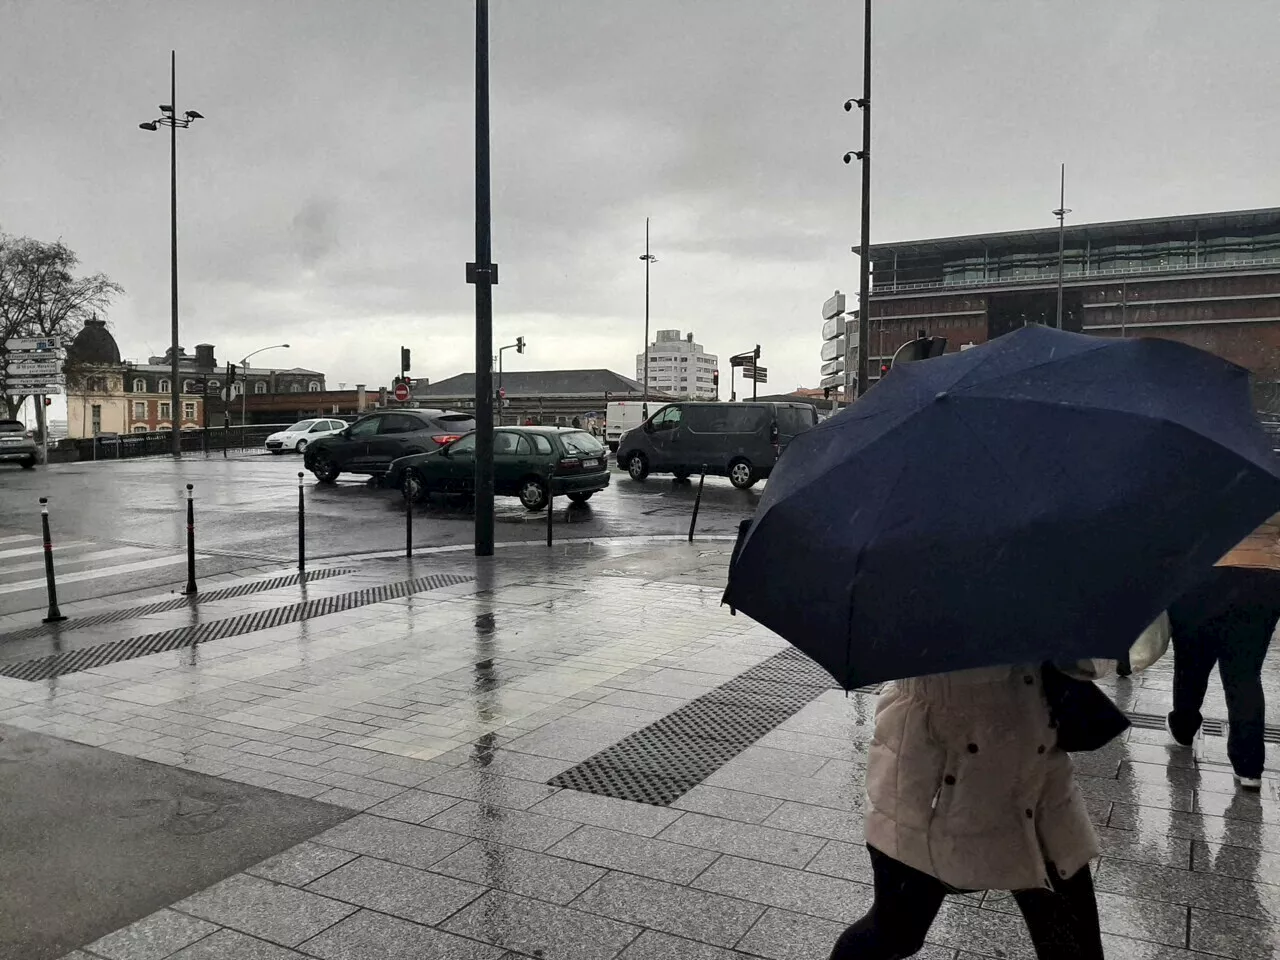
(128, 519)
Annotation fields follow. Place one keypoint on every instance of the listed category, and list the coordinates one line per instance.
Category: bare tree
(41, 296)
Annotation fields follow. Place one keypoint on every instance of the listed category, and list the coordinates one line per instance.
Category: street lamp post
(1061, 214)
(169, 118)
(864, 245)
(648, 259)
(244, 376)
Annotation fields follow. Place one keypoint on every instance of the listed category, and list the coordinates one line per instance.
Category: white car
(302, 433)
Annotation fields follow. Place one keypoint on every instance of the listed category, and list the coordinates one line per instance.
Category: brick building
(1210, 280)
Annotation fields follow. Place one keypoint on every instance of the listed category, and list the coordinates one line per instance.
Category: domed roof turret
(94, 344)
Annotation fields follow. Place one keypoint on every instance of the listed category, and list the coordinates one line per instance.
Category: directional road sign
(44, 389)
(833, 307)
(33, 368)
(32, 343)
(758, 374)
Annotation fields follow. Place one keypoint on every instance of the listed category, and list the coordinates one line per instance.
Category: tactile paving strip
(665, 760)
(87, 658)
(178, 603)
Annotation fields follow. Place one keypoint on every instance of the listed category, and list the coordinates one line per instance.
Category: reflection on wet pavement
(441, 717)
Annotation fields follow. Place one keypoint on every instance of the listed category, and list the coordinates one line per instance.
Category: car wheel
(637, 466)
(533, 493)
(741, 475)
(581, 496)
(302, 445)
(325, 469)
(29, 464)
(412, 488)
(681, 476)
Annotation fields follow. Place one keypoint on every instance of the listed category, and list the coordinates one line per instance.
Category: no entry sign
(401, 392)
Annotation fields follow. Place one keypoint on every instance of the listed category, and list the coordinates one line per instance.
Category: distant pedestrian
(577, 423)
(1228, 619)
(528, 421)
(967, 790)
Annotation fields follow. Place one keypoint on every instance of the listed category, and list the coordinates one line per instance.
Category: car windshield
(12, 426)
(300, 426)
(581, 442)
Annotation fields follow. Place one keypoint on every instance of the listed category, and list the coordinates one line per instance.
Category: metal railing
(210, 441)
(1073, 275)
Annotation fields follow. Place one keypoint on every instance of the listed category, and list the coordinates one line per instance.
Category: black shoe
(1183, 736)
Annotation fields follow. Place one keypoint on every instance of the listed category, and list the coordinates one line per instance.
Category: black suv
(371, 443)
(16, 446)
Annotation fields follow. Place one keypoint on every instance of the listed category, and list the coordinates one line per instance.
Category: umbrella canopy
(1041, 497)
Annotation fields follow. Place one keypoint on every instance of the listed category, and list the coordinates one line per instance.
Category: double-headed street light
(169, 118)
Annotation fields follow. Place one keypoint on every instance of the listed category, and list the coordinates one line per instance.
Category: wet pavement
(445, 716)
(120, 526)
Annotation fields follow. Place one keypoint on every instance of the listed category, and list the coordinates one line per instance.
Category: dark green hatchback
(532, 463)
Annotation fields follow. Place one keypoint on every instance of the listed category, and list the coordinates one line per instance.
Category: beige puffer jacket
(965, 782)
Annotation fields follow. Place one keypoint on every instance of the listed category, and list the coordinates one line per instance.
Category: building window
(139, 409)
(188, 410)
(260, 386)
(140, 428)
(139, 386)
(96, 414)
(214, 386)
(295, 388)
(188, 386)
(313, 387)
(165, 410)
(163, 387)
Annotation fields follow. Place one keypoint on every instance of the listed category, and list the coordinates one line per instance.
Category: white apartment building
(679, 367)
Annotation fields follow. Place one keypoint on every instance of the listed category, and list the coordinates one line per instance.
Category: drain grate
(662, 762)
(1210, 727)
(177, 603)
(75, 661)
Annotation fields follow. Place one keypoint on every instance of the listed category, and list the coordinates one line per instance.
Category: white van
(620, 417)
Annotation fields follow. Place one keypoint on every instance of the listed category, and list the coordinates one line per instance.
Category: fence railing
(211, 441)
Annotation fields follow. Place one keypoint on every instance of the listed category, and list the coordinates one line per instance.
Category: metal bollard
(551, 504)
(191, 545)
(697, 502)
(302, 529)
(408, 520)
(55, 615)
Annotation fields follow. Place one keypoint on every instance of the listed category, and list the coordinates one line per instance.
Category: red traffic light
(48, 401)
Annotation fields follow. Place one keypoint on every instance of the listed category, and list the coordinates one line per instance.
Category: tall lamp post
(1061, 214)
(244, 376)
(648, 259)
(169, 118)
(864, 245)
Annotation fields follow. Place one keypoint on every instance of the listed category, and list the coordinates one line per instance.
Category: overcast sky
(327, 199)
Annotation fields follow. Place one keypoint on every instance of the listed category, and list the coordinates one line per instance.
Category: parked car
(532, 463)
(17, 445)
(302, 434)
(371, 443)
(741, 441)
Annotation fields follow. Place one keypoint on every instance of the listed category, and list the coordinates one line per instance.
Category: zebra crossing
(84, 569)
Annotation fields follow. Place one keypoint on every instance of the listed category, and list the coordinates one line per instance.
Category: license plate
(590, 463)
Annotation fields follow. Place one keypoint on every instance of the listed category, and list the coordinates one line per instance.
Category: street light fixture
(173, 123)
(863, 103)
(1061, 214)
(244, 374)
(648, 259)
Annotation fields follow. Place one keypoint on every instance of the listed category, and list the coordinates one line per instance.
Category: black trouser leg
(1240, 666)
(906, 901)
(1063, 922)
(1194, 653)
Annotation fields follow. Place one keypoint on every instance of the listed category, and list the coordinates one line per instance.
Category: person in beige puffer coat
(967, 790)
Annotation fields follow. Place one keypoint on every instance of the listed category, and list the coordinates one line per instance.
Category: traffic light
(884, 368)
(826, 393)
(519, 344)
(757, 352)
(231, 376)
(48, 401)
(715, 379)
(404, 359)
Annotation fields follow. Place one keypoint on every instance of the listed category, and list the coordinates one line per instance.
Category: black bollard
(55, 615)
(697, 502)
(408, 519)
(302, 529)
(191, 545)
(551, 503)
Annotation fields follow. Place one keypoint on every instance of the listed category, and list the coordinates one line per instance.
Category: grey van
(741, 441)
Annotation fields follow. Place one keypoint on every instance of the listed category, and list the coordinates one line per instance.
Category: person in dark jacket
(1228, 620)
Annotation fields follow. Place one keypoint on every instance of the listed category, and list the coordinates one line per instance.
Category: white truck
(621, 416)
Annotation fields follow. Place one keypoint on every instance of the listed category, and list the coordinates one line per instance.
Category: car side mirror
(648, 426)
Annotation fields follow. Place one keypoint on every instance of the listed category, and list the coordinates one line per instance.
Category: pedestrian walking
(577, 423)
(1228, 620)
(968, 790)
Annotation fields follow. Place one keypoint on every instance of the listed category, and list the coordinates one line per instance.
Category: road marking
(21, 536)
(35, 548)
(60, 556)
(98, 574)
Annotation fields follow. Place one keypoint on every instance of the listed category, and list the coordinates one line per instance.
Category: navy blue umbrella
(1041, 497)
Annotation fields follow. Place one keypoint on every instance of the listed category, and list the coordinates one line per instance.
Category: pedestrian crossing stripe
(35, 549)
(19, 538)
(6, 570)
(97, 574)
